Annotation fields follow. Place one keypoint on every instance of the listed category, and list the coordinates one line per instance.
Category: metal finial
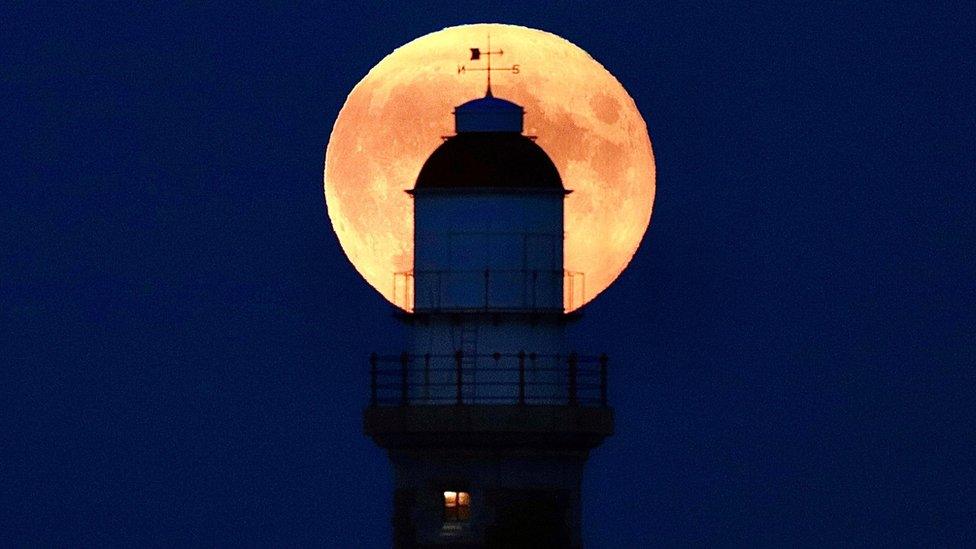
(488, 90)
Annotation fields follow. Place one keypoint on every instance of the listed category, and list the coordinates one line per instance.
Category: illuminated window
(457, 506)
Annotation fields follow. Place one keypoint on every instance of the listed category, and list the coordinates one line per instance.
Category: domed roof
(491, 160)
(489, 152)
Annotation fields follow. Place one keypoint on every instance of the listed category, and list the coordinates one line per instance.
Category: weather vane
(476, 54)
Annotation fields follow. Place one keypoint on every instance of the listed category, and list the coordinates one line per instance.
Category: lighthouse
(488, 417)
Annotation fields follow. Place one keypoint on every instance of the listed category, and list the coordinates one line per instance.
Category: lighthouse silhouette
(489, 417)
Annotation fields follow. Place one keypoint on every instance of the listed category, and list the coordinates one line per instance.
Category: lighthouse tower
(489, 416)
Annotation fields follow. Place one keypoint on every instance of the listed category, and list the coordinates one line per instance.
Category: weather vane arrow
(476, 54)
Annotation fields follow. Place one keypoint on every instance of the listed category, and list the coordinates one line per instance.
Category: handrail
(532, 287)
(497, 378)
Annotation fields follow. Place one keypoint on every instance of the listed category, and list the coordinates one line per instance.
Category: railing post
(439, 285)
(426, 376)
(568, 275)
(521, 393)
(573, 401)
(486, 288)
(372, 379)
(603, 380)
(458, 356)
(535, 284)
(583, 289)
(404, 385)
(411, 289)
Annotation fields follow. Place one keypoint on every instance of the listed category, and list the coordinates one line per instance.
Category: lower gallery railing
(501, 379)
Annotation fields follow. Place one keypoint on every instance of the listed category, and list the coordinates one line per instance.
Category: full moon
(581, 115)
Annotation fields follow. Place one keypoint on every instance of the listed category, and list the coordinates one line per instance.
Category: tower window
(457, 506)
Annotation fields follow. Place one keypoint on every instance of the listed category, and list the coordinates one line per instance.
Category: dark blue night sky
(183, 343)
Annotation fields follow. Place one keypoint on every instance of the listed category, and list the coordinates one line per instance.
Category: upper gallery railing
(506, 289)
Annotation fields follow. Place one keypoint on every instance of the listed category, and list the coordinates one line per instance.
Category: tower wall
(520, 467)
(528, 498)
(488, 250)
(482, 261)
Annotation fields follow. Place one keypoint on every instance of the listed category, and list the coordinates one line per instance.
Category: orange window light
(457, 506)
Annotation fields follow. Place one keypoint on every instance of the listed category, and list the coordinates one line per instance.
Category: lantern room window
(457, 506)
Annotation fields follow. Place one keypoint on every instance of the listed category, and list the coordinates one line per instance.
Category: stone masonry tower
(489, 418)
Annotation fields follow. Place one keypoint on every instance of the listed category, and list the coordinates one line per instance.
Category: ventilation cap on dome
(488, 114)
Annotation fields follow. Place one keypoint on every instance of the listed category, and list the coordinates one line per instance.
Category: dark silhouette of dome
(492, 160)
